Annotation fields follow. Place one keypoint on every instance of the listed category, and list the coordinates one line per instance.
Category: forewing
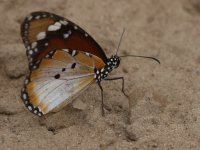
(43, 32)
(57, 78)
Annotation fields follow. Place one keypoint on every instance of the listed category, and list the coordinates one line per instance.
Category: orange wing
(57, 79)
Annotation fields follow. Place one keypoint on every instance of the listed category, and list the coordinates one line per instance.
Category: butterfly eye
(117, 63)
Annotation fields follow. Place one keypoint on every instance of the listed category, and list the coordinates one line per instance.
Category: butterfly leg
(102, 103)
(130, 103)
(119, 78)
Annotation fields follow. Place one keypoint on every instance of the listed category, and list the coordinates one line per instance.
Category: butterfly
(64, 60)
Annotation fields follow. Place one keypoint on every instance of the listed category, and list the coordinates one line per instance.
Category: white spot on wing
(30, 108)
(33, 45)
(47, 56)
(34, 67)
(37, 17)
(30, 52)
(30, 17)
(26, 32)
(87, 54)
(37, 62)
(75, 27)
(26, 26)
(66, 50)
(51, 52)
(58, 24)
(64, 22)
(54, 27)
(24, 96)
(65, 35)
(28, 48)
(73, 52)
(41, 35)
(26, 42)
(26, 81)
(35, 49)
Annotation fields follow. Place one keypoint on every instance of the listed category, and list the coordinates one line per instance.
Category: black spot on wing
(57, 76)
(73, 65)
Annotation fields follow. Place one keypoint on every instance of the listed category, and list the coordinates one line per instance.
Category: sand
(165, 101)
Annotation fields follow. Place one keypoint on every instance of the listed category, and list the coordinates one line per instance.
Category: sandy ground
(165, 111)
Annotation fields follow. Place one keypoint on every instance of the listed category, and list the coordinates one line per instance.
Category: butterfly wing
(57, 78)
(43, 32)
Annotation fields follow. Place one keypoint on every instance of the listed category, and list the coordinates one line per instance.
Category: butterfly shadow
(69, 116)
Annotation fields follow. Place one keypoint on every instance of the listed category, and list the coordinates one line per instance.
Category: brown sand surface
(165, 111)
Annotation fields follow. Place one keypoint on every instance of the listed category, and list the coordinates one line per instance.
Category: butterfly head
(113, 61)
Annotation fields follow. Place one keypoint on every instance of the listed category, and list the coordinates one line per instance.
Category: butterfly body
(112, 63)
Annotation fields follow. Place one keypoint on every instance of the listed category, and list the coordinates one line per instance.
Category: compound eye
(117, 63)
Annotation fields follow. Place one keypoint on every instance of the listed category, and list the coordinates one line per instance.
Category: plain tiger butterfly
(63, 61)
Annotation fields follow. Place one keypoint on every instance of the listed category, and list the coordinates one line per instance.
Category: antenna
(120, 40)
(142, 57)
(155, 59)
